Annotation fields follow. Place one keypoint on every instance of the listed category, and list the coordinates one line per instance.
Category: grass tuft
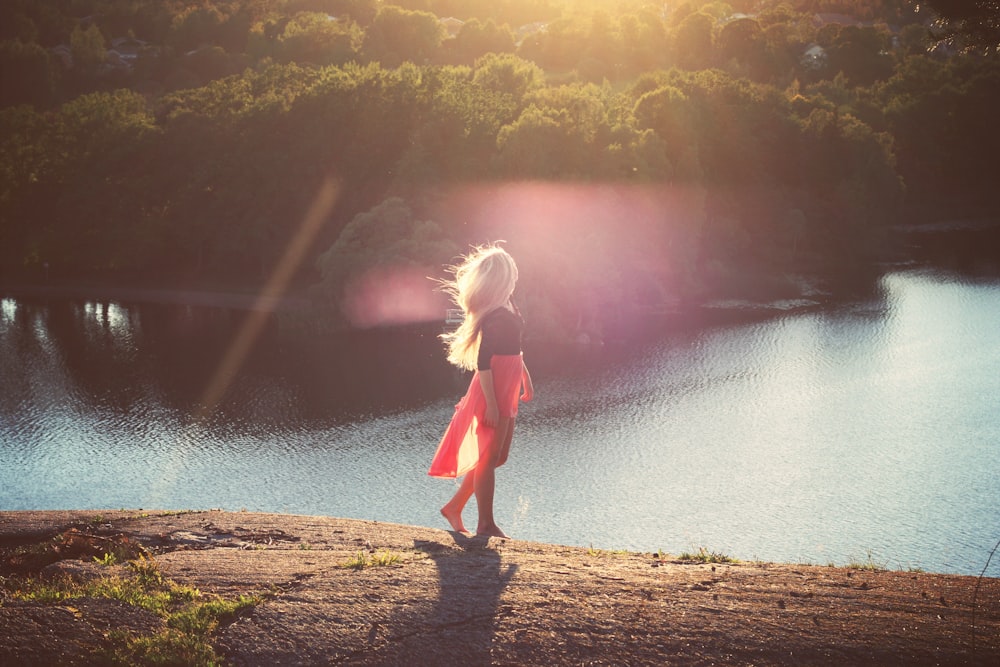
(380, 559)
(107, 560)
(706, 556)
(603, 553)
(869, 564)
(190, 616)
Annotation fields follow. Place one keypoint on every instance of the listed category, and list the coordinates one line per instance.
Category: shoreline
(150, 295)
(364, 592)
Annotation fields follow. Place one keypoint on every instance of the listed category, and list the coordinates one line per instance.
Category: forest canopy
(632, 153)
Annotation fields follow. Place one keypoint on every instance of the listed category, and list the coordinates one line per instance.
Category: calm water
(848, 432)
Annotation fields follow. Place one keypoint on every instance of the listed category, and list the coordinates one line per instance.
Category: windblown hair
(484, 281)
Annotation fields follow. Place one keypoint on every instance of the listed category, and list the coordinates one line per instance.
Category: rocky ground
(337, 591)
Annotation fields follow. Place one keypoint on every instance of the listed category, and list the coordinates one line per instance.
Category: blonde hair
(484, 281)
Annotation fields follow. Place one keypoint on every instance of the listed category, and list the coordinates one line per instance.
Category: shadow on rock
(472, 581)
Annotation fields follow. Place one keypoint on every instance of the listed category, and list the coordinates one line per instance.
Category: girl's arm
(492, 410)
(528, 389)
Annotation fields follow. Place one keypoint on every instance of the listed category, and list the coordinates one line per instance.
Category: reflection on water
(846, 432)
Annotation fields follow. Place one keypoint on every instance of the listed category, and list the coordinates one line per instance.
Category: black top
(501, 335)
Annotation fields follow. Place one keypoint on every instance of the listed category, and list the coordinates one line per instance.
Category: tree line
(722, 145)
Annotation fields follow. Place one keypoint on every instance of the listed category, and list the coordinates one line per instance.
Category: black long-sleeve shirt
(501, 334)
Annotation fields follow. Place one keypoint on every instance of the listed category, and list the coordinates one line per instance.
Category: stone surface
(448, 599)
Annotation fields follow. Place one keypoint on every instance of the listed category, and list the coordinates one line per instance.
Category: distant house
(124, 52)
(843, 20)
(115, 60)
(122, 55)
(826, 18)
(452, 25)
(64, 54)
(738, 16)
(128, 45)
(814, 57)
(529, 29)
(200, 49)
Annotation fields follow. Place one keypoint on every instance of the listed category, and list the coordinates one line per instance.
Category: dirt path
(444, 599)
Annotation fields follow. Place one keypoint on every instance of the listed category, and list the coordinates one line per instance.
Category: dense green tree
(914, 39)
(977, 21)
(512, 12)
(88, 48)
(28, 74)
(558, 47)
(476, 39)
(387, 246)
(46, 23)
(563, 133)
(940, 115)
(397, 35)
(195, 27)
(456, 137)
(604, 55)
(93, 181)
(387, 233)
(261, 143)
(529, 147)
(692, 41)
(201, 160)
(506, 73)
(16, 26)
(861, 54)
(741, 46)
(359, 11)
(849, 169)
(644, 40)
(668, 111)
(24, 156)
(314, 38)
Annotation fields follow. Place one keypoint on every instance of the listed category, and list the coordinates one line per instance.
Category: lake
(862, 430)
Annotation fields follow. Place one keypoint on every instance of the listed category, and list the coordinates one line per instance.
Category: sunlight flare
(269, 297)
(391, 296)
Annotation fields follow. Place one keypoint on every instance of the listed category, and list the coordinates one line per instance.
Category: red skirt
(467, 438)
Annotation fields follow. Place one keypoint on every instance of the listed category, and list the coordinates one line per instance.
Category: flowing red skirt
(467, 438)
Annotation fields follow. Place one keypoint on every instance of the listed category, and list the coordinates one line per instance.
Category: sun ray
(268, 298)
(253, 323)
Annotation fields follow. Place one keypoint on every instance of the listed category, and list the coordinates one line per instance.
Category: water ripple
(854, 431)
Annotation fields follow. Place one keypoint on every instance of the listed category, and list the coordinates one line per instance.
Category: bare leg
(504, 440)
(452, 511)
(485, 482)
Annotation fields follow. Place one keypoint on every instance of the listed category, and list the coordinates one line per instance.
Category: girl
(488, 342)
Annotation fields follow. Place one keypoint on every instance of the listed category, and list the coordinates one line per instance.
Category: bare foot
(492, 530)
(455, 519)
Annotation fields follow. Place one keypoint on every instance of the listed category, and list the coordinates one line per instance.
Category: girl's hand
(527, 388)
(527, 391)
(492, 415)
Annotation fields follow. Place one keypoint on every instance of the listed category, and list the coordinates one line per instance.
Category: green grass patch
(107, 560)
(869, 564)
(703, 555)
(166, 513)
(605, 553)
(364, 559)
(190, 616)
(170, 647)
